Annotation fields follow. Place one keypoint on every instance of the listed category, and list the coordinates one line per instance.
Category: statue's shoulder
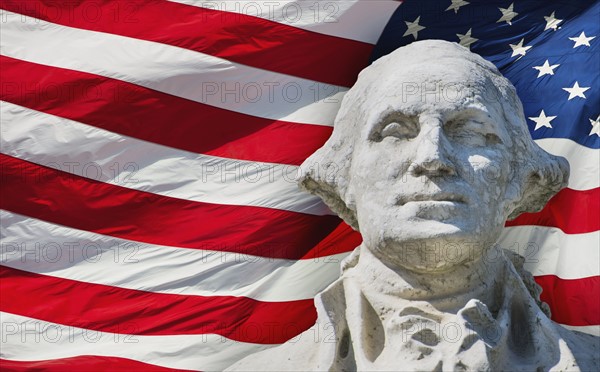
(585, 348)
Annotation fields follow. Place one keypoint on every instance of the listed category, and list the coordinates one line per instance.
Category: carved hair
(535, 175)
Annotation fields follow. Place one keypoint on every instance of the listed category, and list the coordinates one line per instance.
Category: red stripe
(90, 205)
(84, 363)
(572, 211)
(125, 311)
(239, 38)
(146, 114)
(108, 309)
(573, 302)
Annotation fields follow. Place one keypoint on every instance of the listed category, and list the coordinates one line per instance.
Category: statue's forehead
(450, 68)
(444, 100)
(423, 80)
(443, 89)
(448, 102)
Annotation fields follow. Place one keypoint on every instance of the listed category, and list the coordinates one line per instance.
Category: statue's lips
(438, 197)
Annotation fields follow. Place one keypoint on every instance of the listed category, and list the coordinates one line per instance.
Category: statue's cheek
(491, 167)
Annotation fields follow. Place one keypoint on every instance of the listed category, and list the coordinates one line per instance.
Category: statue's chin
(440, 248)
(430, 267)
(418, 242)
(426, 263)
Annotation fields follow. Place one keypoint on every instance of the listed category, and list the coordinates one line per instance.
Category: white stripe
(592, 330)
(125, 161)
(36, 246)
(44, 248)
(549, 251)
(584, 162)
(177, 71)
(29, 339)
(350, 19)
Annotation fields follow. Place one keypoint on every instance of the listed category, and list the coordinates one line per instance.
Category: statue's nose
(432, 154)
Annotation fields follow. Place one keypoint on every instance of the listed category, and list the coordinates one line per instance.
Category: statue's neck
(447, 291)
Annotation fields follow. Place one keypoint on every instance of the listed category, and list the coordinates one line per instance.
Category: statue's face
(430, 173)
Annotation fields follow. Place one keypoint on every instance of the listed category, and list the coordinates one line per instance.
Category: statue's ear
(535, 182)
(326, 174)
(331, 196)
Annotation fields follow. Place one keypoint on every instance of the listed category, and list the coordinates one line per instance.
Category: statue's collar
(447, 291)
(374, 326)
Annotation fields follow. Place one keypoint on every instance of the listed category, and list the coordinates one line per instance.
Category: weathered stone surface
(429, 156)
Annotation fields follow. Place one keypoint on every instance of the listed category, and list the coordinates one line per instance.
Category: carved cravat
(389, 333)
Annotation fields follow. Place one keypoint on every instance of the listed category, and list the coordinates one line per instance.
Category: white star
(507, 14)
(546, 69)
(595, 126)
(519, 49)
(466, 40)
(413, 28)
(582, 40)
(456, 4)
(576, 91)
(551, 22)
(542, 120)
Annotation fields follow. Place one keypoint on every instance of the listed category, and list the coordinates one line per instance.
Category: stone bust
(430, 155)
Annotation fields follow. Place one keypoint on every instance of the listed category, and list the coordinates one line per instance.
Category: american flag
(150, 217)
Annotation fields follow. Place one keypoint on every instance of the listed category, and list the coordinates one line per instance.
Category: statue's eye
(392, 129)
(492, 139)
(394, 125)
(472, 132)
(404, 129)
